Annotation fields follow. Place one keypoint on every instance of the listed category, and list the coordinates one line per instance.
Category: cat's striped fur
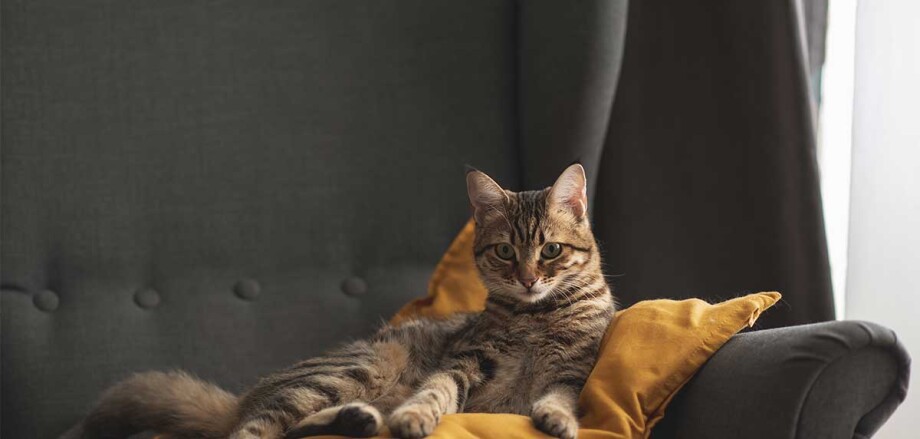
(529, 352)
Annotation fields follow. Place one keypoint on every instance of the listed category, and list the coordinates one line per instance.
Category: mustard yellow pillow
(455, 284)
(648, 353)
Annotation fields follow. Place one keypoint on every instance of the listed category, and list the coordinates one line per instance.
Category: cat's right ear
(486, 196)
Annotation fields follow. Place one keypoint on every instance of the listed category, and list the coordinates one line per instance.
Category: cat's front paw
(413, 421)
(555, 421)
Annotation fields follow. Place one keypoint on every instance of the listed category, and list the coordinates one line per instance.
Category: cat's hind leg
(355, 419)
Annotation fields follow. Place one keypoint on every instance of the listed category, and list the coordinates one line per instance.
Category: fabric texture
(826, 380)
(649, 352)
(221, 186)
(709, 183)
(569, 61)
(455, 285)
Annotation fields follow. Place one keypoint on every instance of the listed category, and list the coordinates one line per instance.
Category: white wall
(835, 138)
(883, 274)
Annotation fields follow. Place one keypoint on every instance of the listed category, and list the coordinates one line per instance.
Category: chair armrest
(835, 379)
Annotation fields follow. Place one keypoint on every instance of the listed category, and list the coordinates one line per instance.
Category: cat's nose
(527, 280)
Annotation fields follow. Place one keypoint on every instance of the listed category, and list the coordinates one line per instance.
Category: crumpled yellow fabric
(455, 284)
(648, 353)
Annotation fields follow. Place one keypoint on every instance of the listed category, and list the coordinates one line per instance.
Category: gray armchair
(827, 380)
(228, 187)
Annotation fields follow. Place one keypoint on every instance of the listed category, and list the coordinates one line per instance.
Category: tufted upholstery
(229, 186)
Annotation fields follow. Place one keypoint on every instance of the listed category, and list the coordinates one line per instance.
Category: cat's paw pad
(413, 422)
(358, 421)
(555, 421)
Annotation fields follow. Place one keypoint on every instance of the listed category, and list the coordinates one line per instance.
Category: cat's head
(531, 244)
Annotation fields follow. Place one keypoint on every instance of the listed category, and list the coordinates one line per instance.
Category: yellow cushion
(649, 352)
(455, 284)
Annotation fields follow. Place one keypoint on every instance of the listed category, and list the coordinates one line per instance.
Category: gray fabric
(187, 146)
(569, 62)
(827, 380)
(227, 187)
(814, 14)
(709, 182)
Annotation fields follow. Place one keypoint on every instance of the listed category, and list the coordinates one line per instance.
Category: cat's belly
(509, 391)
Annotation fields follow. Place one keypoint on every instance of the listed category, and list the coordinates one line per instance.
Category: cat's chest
(527, 357)
(523, 339)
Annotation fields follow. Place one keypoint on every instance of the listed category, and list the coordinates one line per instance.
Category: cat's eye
(551, 250)
(504, 251)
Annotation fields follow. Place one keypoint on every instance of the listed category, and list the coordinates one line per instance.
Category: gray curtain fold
(814, 17)
(709, 185)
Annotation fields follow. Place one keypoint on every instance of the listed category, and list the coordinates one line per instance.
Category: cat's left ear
(486, 196)
(569, 192)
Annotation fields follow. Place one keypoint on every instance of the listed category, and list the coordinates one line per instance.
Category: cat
(529, 352)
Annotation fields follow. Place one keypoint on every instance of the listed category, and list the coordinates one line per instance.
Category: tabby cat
(529, 352)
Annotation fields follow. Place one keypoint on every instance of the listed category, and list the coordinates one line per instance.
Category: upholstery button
(354, 287)
(147, 298)
(46, 300)
(247, 289)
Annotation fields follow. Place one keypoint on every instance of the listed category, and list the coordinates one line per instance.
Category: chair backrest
(227, 187)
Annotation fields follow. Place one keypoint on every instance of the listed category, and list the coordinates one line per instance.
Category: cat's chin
(533, 295)
(534, 298)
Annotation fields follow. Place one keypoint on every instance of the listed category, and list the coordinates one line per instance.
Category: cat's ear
(569, 192)
(486, 196)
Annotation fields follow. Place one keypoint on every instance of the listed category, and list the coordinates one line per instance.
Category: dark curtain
(709, 182)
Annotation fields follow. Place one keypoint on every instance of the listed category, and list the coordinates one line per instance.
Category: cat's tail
(173, 403)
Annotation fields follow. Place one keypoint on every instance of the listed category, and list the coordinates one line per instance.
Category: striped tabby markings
(554, 413)
(418, 416)
(258, 427)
